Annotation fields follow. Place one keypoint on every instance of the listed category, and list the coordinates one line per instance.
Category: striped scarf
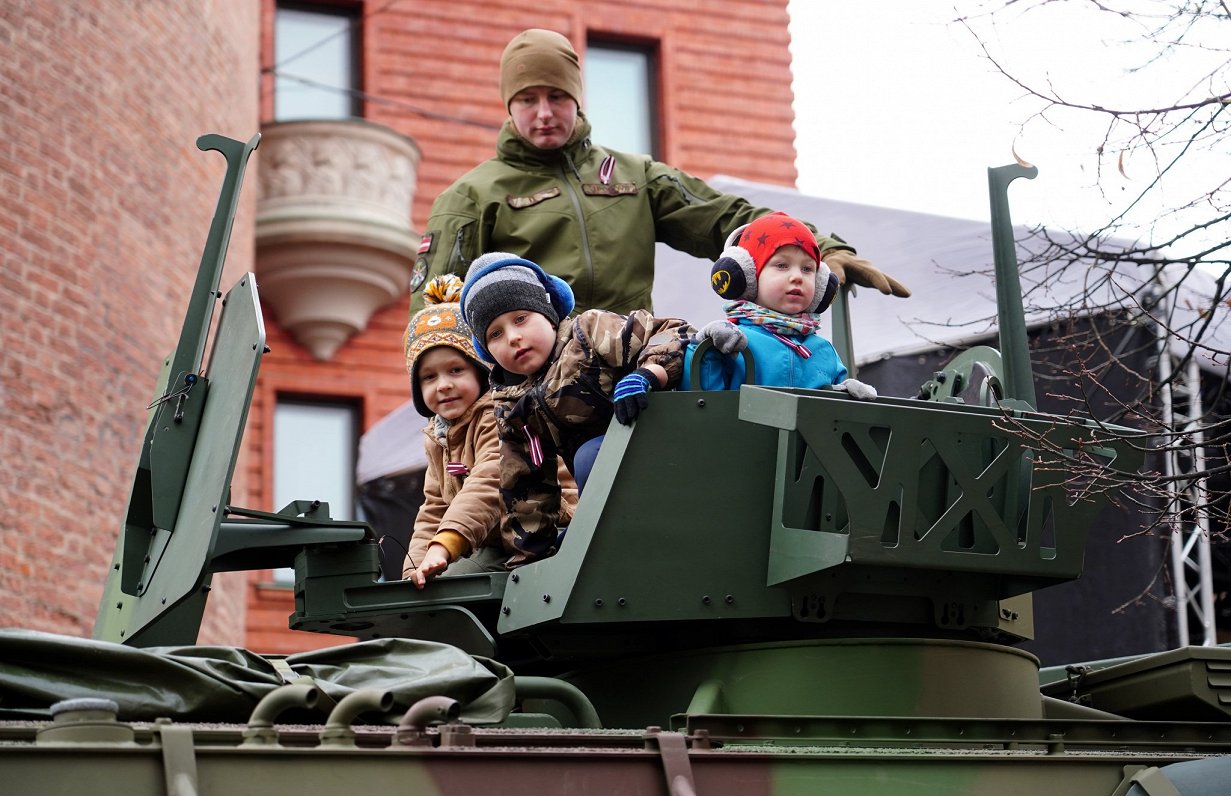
(786, 328)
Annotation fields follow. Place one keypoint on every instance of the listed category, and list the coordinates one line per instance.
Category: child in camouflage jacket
(556, 382)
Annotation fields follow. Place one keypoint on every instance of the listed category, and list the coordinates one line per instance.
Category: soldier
(587, 214)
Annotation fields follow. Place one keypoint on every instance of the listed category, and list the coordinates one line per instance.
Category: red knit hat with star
(770, 233)
(735, 273)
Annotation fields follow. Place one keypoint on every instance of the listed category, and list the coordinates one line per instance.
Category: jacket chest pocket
(522, 202)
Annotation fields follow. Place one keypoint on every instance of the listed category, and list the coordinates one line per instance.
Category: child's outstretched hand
(434, 560)
(857, 389)
(728, 338)
(632, 394)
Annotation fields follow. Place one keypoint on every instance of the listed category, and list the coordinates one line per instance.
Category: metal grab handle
(1014, 342)
(694, 372)
(200, 307)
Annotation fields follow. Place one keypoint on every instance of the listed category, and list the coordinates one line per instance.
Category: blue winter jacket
(776, 363)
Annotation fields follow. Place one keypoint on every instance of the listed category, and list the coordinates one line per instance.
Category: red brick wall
(726, 108)
(104, 207)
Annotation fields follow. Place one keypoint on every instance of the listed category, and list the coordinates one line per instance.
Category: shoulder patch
(618, 189)
(519, 202)
(425, 243)
(419, 275)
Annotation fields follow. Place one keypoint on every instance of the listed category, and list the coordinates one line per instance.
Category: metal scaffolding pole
(1190, 532)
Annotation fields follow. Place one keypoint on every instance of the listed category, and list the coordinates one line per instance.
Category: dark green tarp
(224, 684)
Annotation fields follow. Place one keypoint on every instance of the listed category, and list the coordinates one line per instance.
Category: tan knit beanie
(539, 57)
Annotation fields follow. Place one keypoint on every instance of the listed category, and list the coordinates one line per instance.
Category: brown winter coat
(460, 512)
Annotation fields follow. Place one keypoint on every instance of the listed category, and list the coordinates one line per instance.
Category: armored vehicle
(766, 590)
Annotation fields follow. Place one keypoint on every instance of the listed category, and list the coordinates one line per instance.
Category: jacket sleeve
(476, 508)
(624, 343)
(451, 240)
(568, 493)
(691, 216)
(430, 512)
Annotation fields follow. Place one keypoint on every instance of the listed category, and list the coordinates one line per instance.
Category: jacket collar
(462, 422)
(520, 153)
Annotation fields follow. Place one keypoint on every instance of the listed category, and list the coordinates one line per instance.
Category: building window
(314, 458)
(621, 98)
(315, 63)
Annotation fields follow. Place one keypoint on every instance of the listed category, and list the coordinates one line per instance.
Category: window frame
(349, 11)
(651, 50)
(354, 406)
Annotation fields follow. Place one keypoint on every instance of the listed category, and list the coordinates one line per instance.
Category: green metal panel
(1190, 682)
(938, 487)
(174, 575)
(672, 526)
(168, 453)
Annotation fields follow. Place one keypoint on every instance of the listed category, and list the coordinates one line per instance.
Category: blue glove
(632, 394)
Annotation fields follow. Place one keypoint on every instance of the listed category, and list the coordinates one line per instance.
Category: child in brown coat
(458, 525)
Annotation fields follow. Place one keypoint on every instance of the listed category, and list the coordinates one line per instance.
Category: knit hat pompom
(538, 57)
(439, 323)
(499, 282)
(443, 289)
(748, 248)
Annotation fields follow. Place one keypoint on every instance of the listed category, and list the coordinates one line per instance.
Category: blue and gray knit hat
(499, 282)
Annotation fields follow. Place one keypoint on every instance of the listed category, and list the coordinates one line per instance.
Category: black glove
(632, 394)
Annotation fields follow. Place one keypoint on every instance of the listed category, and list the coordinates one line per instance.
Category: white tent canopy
(393, 445)
(946, 263)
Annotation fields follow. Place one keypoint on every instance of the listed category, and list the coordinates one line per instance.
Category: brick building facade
(105, 207)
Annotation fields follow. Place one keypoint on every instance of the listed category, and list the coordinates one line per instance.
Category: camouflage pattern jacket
(587, 214)
(546, 417)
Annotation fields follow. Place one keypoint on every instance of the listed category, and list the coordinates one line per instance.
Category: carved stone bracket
(333, 236)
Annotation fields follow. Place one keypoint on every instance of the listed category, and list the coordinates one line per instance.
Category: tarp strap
(673, 748)
(284, 670)
(179, 760)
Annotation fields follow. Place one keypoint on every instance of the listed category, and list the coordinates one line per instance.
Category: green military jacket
(587, 214)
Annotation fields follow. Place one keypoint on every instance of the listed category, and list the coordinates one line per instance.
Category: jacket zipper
(581, 222)
(456, 256)
(688, 197)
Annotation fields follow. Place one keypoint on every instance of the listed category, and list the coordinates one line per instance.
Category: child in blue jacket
(772, 271)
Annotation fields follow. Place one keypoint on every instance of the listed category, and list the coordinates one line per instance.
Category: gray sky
(896, 105)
